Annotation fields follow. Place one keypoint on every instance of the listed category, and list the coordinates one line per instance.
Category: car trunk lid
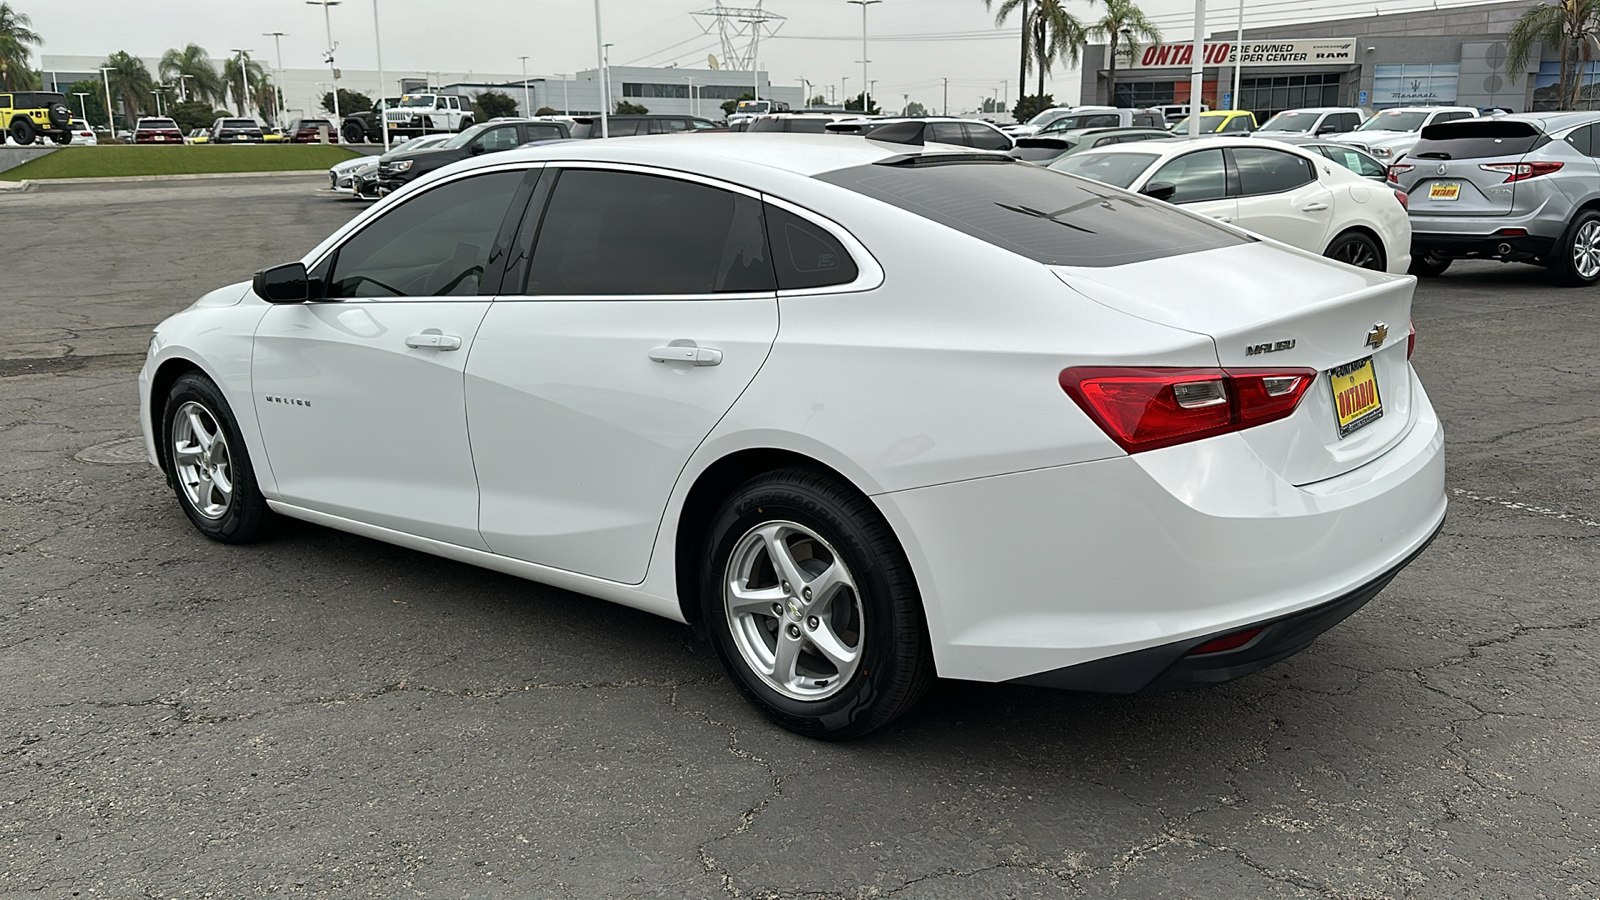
(1447, 177)
(1265, 308)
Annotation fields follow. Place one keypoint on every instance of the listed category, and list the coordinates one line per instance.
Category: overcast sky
(458, 37)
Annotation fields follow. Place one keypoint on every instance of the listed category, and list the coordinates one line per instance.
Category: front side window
(496, 139)
(434, 245)
(1355, 161)
(1263, 171)
(1197, 176)
(623, 233)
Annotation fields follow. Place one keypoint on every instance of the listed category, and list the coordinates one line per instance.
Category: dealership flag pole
(1197, 68)
(1238, 58)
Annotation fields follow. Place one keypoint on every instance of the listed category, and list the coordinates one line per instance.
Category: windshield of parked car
(465, 137)
(426, 101)
(1291, 121)
(1120, 169)
(1208, 123)
(1035, 213)
(1393, 120)
(1046, 117)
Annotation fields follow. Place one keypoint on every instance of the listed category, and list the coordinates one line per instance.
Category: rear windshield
(1043, 215)
(1118, 169)
(1478, 139)
(315, 123)
(240, 123)
(158, 123)
(1035, 149)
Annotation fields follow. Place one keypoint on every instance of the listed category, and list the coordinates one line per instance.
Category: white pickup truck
(419, 114)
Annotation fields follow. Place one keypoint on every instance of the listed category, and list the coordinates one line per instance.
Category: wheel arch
(1367, 232)
(166, 375)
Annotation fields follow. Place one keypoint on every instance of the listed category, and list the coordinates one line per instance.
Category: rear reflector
(1411, 339)
(1145, 409)
(1227, 642)
(1403, 197)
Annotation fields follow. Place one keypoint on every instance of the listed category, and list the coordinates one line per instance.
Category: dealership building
(1437, 57)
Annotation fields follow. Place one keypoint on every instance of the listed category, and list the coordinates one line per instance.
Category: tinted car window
(804, 255)
(1263, 171)
(765, 124)
(1581, 139)
(947, 133)
(806, 126)
(1478, 139)
(502, 138)
(544, 132)
(433, 245)
(609, 233)
(984, 138)
(1120, 169)
(1235, 125)
(1036, 213)
(1197, 176)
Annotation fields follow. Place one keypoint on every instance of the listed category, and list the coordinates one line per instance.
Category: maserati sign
(1320, 52)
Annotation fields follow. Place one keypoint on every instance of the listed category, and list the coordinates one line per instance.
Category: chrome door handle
(1314, 207)
(433, 340)
(687, 353)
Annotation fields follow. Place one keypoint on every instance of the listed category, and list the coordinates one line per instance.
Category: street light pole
(327, 24)
(566, 99)
(383, 80)
(1197, 68)
(157, 94)
(277, 77)
(83, 107)
(111, 124)
(866, 86)
(1238, 58)
(600, 59)
(526, 106)
(244, 83)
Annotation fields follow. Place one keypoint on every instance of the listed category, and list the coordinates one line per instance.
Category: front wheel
(812, 606)
(1425, 266)
(354, 133)
(208, 463)
(1356, 249)
(1575, 260)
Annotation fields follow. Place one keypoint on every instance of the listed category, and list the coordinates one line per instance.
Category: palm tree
(130, 82)
(1049, 33)
(1569, 26)
(16, 36)
(1123, 24)
(264, 96)
(254, 74)
(191, 68)
(1006, 8)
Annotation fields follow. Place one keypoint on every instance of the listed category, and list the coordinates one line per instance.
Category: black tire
(245, 515)
(353, 133)
(63, 138)
(1357, 249)
(1425, 266)
(23, 131)
(1581, 239)
(893, 659)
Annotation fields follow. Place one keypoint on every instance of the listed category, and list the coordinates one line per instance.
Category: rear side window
(1037, 213)
(947, 133)
(433, 245)
(1263, 171)
(612, 233)
(765, 124)
(1478, 139)
(805, 255)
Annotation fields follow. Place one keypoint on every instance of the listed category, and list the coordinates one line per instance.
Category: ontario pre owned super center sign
(1318, 52)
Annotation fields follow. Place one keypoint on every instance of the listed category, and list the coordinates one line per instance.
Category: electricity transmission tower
(740, 29)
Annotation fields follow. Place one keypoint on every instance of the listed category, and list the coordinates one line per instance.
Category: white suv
(1391, 133)
(1312, 123)
(418, 114)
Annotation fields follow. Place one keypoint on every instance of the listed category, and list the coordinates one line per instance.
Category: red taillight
(1404, 198)
(1145, 409)
(1411, 339)
(1520, 171)
(1227, 642)
(1398, 169)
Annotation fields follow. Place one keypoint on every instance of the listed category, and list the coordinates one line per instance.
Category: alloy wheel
(793, 610)
(1356, 253)
(1586, 250)
(200, 457)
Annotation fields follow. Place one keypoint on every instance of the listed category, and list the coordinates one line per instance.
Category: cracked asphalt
(324, 715)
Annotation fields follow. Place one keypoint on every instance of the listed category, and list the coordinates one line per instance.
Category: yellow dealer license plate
(1444, 191)
(1355, 395)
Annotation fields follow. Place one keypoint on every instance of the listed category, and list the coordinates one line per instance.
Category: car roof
(1397, 109)
(1325, 109)
(1550, 121)
(1178, 145)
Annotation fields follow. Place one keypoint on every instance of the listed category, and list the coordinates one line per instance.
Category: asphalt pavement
(325, 715)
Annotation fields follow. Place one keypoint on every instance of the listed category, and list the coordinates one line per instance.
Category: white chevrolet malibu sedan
(861, 415)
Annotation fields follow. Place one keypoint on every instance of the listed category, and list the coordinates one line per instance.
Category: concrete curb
(31, 183)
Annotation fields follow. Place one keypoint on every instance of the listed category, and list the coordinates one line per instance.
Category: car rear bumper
(1028, 575)
(1480, 246)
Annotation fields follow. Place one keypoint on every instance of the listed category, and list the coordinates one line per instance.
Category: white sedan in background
(1278, 191)
(863, 412)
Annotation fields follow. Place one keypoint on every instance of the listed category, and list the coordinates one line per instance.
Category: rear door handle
(1314, 207)
(433, 340)
(687, 353)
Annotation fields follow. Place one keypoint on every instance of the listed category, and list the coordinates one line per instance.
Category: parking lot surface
(325, 715)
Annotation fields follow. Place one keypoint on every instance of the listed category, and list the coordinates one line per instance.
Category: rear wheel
(22, 131)
(210, 467)
(812, 608)
(1356, 249)
(1575, 261)
(64, 138)
(354, 133)
(1425, 266)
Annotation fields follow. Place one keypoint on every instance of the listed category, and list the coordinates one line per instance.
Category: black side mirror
(1328, 129)
(287, 283)
(474, 149)
(1155, 190)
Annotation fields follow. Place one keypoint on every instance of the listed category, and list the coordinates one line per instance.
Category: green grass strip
(113, 161)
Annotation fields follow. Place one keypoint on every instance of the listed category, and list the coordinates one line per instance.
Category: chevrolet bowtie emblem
(1378, 334)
